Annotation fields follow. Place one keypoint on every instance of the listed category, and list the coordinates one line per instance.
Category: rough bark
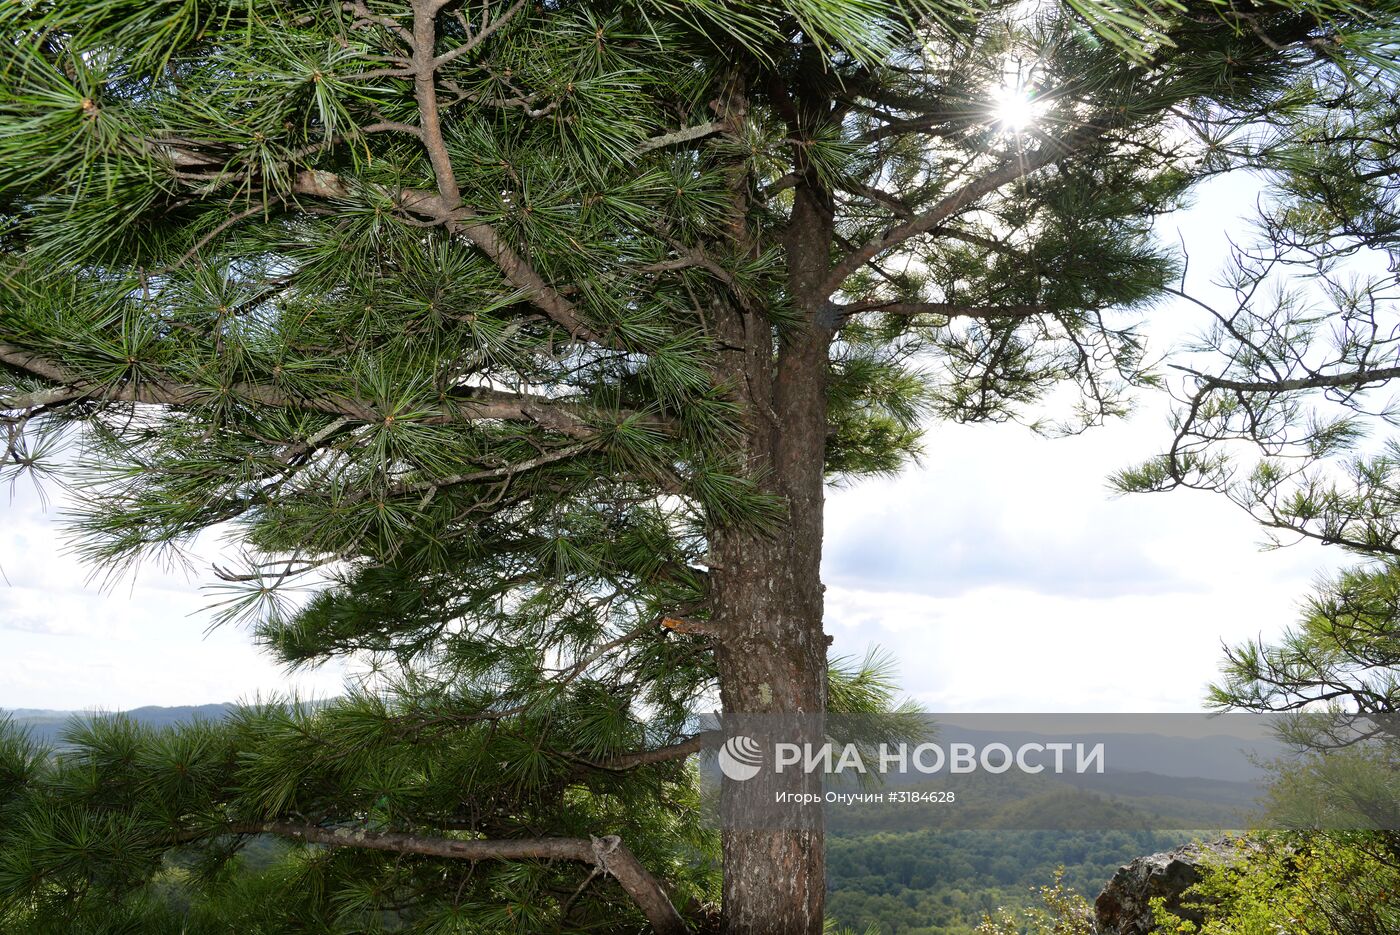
(767, 589)
(768, 594)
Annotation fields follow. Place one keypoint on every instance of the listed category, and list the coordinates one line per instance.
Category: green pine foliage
(1344, 652)
(1322, 884)
(102, 822)
(1284, 401)
(168, 825)
(1285, 408)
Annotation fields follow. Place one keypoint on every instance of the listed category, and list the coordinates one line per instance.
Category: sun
(1015, 108)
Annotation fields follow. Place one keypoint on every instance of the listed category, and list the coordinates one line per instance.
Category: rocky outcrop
(1124, 907)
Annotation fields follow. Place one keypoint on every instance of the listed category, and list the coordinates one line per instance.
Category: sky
(1001, 573)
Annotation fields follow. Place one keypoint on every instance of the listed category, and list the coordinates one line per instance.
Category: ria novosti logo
(740, 758)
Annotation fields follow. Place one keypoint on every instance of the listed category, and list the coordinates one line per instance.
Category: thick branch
(675, 751)
(523, 276)
(607, 854)
(442, 207)
(1009, 171)
(425, 91)
(684, 135)
(470, 404)
(1352, 378)
(457, 216)
(697, 627)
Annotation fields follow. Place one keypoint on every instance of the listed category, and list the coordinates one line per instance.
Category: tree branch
(425, 91)
(608, 854)
(1316, 382)
(362, 10)
(471, 403)
(502, 473)
(675, 751)
(879, 196)
(488, 26)
(965, 196)
(442, 207)
(688, 626)
(684, 135)
(512, 265)
(523, 276)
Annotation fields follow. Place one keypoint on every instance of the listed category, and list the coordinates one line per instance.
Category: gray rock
(1124, 906)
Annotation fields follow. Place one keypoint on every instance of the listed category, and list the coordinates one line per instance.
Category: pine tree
(1286, 409)
(528, 336)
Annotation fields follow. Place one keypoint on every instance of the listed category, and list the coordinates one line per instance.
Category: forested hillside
(942, 883)
(47, 726)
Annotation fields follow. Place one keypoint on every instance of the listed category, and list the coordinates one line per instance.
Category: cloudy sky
(1001, 573)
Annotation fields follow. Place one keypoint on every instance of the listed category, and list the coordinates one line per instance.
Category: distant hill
(47, 726)
(1221, 757)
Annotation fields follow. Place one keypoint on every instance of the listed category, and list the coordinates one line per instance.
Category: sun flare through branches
(1015, 106)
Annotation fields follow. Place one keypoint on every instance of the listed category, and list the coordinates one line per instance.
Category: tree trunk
(766, 590)
(772, 659)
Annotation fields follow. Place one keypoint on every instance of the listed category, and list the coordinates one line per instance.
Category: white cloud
(1005, 575)
(1009, 649)
(68, 642)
